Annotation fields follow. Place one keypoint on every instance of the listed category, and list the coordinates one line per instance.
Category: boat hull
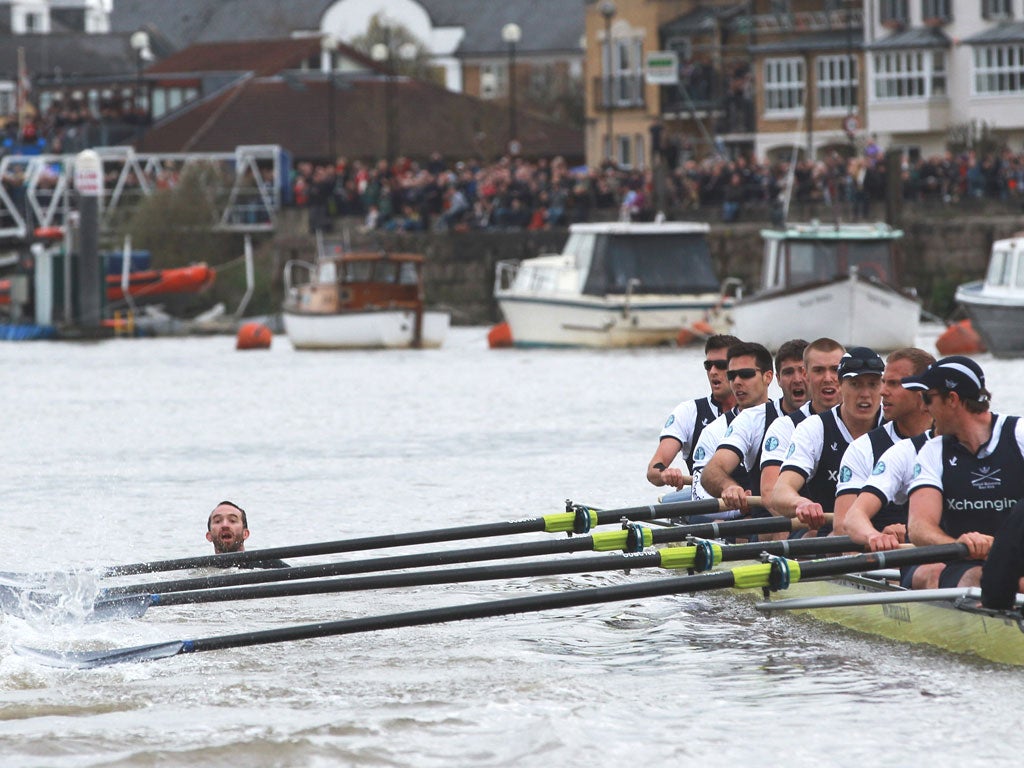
(379, 329)
(998, 320)
(547, 321)
(850, 310)
(989, 635)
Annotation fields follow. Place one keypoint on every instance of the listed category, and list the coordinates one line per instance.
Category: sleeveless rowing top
(707, 411)
(978, 493)
(881, 441)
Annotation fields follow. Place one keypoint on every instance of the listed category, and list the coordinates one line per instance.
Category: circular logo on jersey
(698, 454)
(791, 451)
(845, 473)
(879, 468)
(728, 431)
(771, 444)
(917, 469)
(671, 419)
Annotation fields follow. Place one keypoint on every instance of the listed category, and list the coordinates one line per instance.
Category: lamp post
(407, 52)
(608, 11)
(511, 34)
(381, 53)
(329, 44)
(139, 42)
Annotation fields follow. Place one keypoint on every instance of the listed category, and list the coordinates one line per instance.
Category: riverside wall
(938, 253)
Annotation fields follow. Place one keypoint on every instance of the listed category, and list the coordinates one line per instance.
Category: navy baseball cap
(858, 361)
(956, 373)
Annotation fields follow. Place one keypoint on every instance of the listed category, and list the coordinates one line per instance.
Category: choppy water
(116, 451)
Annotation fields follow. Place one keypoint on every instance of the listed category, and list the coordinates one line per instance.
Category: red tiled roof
(263, 57)
(293, 114)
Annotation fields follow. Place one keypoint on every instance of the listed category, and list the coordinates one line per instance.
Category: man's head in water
(227, 528)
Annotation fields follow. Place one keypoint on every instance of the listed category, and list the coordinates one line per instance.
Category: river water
(116, 451)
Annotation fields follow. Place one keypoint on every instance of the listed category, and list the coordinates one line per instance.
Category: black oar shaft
(449, 557)
(436, 536)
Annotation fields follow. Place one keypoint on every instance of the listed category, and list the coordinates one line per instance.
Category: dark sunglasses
(743, 373)
(719, 364)
(929, 396)
(853, 364)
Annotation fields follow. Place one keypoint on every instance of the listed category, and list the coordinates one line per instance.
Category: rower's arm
(855, 521)
(668, 449)
(769, 477)
(785, 497)
(925, 514)
(841, 508)
(717, 475)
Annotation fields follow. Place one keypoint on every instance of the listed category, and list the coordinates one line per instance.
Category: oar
(778, 573)
(872, 598)
(700, 557)
(634, 538)
(576, 519)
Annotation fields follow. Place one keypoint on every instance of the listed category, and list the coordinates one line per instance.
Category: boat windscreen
(814, 261)
(663, 264)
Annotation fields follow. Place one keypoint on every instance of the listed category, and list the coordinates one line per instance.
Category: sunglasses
(853, 364)
(719, 364)
(929, 396)
(743, 373)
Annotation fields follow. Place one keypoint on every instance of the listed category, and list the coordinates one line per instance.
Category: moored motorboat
(361, 300)
(840, 281)
(995, 305)
(617, 284)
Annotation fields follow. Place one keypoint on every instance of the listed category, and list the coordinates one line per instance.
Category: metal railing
(245, 186)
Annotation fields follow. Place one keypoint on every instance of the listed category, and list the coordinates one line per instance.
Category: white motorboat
(839, 281)
(995, 305)
(365, 300)
(615, 284)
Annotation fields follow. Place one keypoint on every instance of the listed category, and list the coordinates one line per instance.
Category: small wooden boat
(155, 282)
(995, 305)
(362, 300)
(949, 619)
(616, 284)
(840, 281)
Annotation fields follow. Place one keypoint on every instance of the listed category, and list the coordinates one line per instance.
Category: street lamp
(329, 44)
(407, 52)
(381, 53)
(511, 34)
(608, 11)
(139, 42)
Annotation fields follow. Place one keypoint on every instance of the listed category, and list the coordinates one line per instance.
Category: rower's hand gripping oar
(699, 555)
(778, 573)
(576, 519)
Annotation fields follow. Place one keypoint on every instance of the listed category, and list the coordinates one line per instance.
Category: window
(837, 82)
(783, 85)
(937, 9)
(892, 11)
(627, 72)
(999, 268)
(997, 9)
(624, 151)
(8, 99)
(638, 141)
(909, 74)
(999, 69)
(493, 79)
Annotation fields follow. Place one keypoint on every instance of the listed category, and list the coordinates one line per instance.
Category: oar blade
(93, 659)
(126, 607)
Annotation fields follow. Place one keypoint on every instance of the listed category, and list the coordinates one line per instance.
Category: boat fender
(500, 336)
(959, 339)
(253, 336)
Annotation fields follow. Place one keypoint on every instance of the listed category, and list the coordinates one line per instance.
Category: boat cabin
(610, 259)
(811, 254)
(1006, 267)
(362, 281)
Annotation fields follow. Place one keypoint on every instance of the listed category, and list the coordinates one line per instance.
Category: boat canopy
(669, 263)
(792, 263)
(1005, 267)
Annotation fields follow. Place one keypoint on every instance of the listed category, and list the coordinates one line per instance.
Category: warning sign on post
(662, 68)
(88, 174)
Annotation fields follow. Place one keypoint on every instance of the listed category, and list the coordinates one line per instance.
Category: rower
(968, 478)
(819, 442)
(1002, 576)
(749, 374)
(906, 417)
(740, 447)
(227, 528)
(821, 366)
(681, 432)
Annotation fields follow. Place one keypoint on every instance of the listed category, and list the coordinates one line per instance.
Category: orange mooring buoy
(696, 332)
(253, 336)
(959, 339)
(499, 336)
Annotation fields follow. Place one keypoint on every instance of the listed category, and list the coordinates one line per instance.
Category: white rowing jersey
(687, 421)
(890, 477)
(928, 471)
(859, 461)
(746, 434)
(778, 435)
(706, 447)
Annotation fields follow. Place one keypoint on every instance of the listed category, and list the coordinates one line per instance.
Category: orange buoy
(499, 336)
(960, 339)
(253, 336)
(696, 332)
(685, 337)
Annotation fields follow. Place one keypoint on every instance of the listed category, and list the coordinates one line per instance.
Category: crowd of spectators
(524, 194)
